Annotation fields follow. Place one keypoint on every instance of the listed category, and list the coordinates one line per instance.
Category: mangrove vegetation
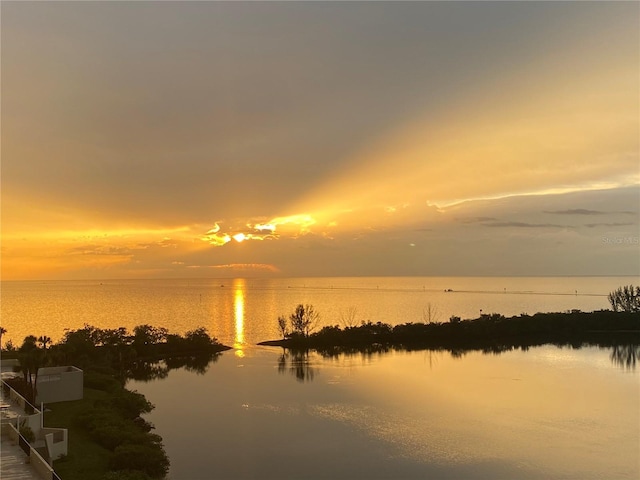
(108, 436)
(489, 332)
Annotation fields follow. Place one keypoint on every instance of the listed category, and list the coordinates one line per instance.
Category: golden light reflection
(238, 309)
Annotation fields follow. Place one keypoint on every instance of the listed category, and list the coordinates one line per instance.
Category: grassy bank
(87, 460)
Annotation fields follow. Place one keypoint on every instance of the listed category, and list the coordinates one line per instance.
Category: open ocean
(245, 311)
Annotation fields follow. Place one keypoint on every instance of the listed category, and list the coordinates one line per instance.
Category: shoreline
(108, 365)
(110, 438)
(492, 332)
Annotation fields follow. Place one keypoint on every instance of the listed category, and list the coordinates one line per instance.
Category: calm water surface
(244, 311)
(545, 413)
(260, 413)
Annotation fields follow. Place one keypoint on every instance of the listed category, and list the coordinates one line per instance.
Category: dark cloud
(524, 225)
(615, 224)
(575, 211)
(584, 211)
(476, 219)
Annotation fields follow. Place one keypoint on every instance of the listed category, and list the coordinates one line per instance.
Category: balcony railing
(14, 398)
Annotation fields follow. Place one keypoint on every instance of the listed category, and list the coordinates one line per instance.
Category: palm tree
(2, 332)
(30, 357)
(43, 341)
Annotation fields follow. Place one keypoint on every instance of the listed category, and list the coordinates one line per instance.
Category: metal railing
(19, 399)
(24, 444)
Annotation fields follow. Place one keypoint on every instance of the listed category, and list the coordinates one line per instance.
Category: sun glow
(262, 228)
(286, 226)
(301, 222)
(30, 255)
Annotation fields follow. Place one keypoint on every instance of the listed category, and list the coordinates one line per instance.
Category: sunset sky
(220, 139)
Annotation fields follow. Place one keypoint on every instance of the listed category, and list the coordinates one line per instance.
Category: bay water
(264, 412)
(244, 311)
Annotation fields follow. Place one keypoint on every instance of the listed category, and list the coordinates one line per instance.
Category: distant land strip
(434, 290)
(488, 332)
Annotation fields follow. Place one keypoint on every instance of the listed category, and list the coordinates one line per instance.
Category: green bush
(113, 435)
(199, 339)
(147, 458)
(100, 381)
(131, 404)
(27, 433)
(90, 418)
(126, 475)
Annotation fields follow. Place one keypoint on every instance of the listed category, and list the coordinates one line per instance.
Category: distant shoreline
(492, 332)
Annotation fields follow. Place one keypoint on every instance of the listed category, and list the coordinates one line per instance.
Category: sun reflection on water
(238, 309)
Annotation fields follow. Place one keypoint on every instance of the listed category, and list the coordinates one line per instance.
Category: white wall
(56, 449)
(59, 384)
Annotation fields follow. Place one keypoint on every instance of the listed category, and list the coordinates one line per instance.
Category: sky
(243, 139)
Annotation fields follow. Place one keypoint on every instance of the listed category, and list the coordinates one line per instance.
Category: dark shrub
(126, 475)
(131, 404)
(100, 381)
(113, 435)
(147, 458)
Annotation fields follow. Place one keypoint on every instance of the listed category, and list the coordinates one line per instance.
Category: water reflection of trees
(297, 363)
(622, 355)
(365, 351)
(625, 356)
(148, 370)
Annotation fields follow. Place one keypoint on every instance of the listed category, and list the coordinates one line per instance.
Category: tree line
(489, 331)
(108, 358)
(625, 299)
(90, 346)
